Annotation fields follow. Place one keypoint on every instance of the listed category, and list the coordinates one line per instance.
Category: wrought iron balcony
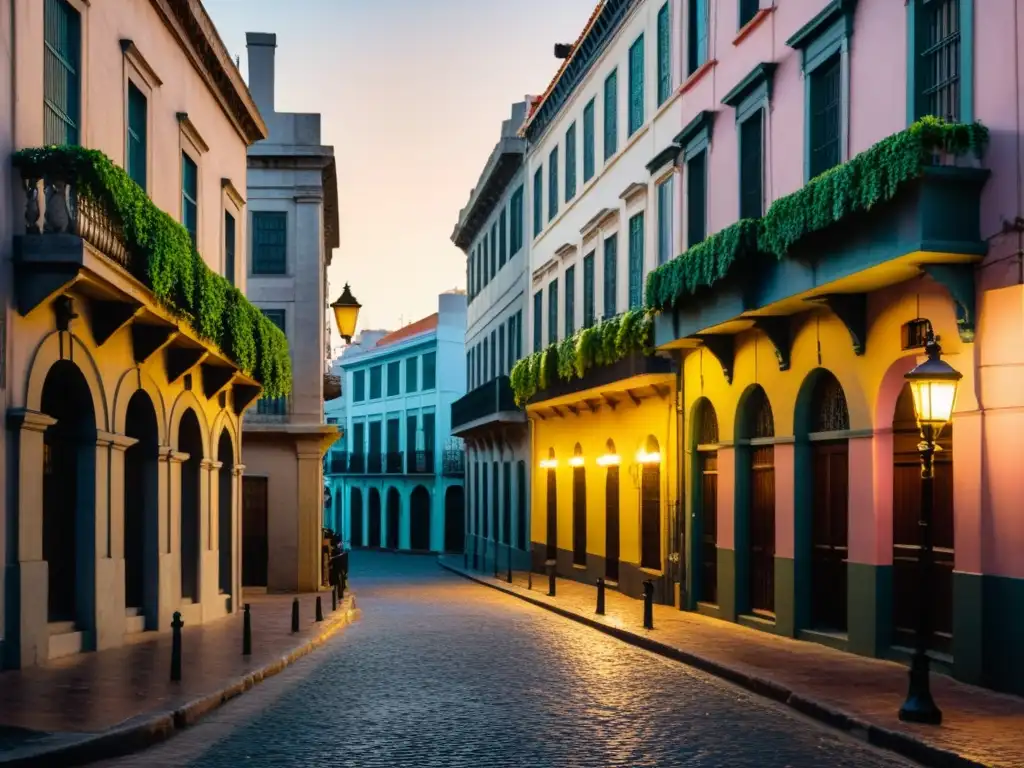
(420, 463)
(453, 464)
(356, 463)
(489, 403)
(393, 462)
(338, 463)
(374, 463)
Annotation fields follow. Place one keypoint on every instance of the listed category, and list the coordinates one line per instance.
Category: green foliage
(872, 177)
(164, 259)
(603, 344)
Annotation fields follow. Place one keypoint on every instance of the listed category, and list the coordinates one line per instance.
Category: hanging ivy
(164, 259)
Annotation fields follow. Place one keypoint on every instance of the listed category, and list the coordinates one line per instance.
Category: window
(394, 378)
(429, 370)
(570, 301)
(276, 316)
(410, 436)
(553, 311)
(487, 263)
(665, 206)
(751, 166)
(479, 270)
(470, 286)
(538, 201)
(487, 360)
(748, 10)
(538, 304)
(269, 229)
(695, 203)
(428, 432)
(135, 153)
(516, 222)
(375, 381)
(570, 163)
(588, 141)
(519, 334)
(588, 290)
(501, 350)
(62, 37)
(502, 235)
(611, 267)
(358, 386)
(189, 195)
(636, 261)
(697, 35)
(513, 334)
(479, 366)
(412, 374)
(825, 116)
(636, 85)
(611, 116)
(469, 370)
(938, 59)
(664, 55)
(553, 184)
(494, 354)
(229, 247)
(494, 250)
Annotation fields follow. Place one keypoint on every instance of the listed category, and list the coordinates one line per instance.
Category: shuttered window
(611, 115)
(502, 238)
(519, 334)
(538, 201)
(62, 37)
(136, 150)
(748, 10)
(486, 260)
(494, 250)
(611, 268)
(189, 195)
(538, 317)
(697, 37)
(376, 375)
(636, 85)
(636, 261)
(553, 184)
(229, 247)
(516, 222)
(665, 207)
(394, 378)
(269, 244)
(664, 55)
(570, 301)
(553, 311)
(825, 116)
(570, 163)
(412, 374)
(696, 188)
(588, 141)
(429, 370)
(513, 334)
(588, 290)
(938, 67)
(359, 387)
(751, 166)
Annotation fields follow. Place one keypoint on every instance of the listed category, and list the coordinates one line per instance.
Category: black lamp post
(933, 384)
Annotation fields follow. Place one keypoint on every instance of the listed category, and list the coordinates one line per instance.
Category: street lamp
(346, 312)
(933, 384)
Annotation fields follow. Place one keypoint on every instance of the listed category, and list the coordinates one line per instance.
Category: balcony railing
(453, 464)
(393, 462)
(356, 463)
(338, 463)
(374, 463)
(489, 399)
(420, 463)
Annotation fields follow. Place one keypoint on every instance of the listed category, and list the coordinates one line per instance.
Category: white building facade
(492, 231)
(395, 478)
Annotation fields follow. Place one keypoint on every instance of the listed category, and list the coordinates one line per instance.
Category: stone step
(61, 627)
(65, 644)
(134, 624)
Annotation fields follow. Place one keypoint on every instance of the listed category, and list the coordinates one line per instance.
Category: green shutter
(538, 317)
(697, 35)
(696, 189)
(189, 195)
(502, 238)
(826, 99)
(553, 311)
(611, 268)
(494, 250)
(636, 260)
(516, 222)
(538, 201)
(664, 55)
(62, 38)
(588, 141)
(588, 290)
(570, 163)
(636, 85)
(553, 184)
(665, 218)
(751, 166)
(229, 247)
(611, 118)
(269, 244)
(570, 301)
(136, 150)
(938, 47)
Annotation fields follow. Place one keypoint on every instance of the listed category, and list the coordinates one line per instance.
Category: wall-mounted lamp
(550, 462)
(609, 460)
(576, 460)
(643, 457)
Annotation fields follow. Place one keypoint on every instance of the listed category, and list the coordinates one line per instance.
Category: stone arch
(223, 422)
(393, 518)
(185, 401)
(420, 518)
(704, 432)
(64, 345)
(130, 382)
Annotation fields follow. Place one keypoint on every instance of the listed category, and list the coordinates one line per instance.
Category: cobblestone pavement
(443, 672)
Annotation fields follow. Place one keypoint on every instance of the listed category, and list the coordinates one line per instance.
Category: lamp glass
(934, 400)
(576, 461)
(345, 317)
(643, 457)
(548, 463)
(609, 460)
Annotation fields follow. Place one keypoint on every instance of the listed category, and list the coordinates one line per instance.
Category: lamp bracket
(958, 280)
(723, 347)
(780, 333)
(852, 311)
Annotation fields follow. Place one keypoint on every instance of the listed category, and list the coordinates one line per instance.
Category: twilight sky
(412, 94)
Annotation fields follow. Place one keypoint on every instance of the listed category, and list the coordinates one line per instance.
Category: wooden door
(709, 526)
(611, 522)
(762, 529)
(829, 544)
(254, 531)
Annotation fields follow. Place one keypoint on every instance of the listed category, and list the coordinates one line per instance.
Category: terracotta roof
(412, 329)
(539, 100)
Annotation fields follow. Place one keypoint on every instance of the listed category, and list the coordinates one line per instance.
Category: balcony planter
(487, 404)
(632, 365)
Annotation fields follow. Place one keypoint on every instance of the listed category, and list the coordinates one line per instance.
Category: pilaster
(108, 593)
(309, 514)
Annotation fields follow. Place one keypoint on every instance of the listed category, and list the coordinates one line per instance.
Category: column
(209, 553)
(109, 587)
(869, 586)
(163, 603)
(309, 509)
(175, 461)
(237, 473)
(726, 544)
(785, 536)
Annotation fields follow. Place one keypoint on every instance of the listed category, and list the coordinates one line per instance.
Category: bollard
(600, 597)
(246, 632)
(176, 625)
(295, 615)
(334, 597)
(648, 604)
(551, 579)
(341, 588)
(319, 609)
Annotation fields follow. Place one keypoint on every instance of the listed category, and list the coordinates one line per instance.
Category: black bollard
(551, 579)
(246, 632)
(600, 597)
(295, 615)
(176, 625)
(648, 604)
(334, 597)
(341, 588)
(319, 609)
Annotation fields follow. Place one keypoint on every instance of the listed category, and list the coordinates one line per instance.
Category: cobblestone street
(442, 672)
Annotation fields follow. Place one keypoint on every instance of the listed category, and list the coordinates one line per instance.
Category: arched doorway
(419, 519)
(756, 469)
(225, 502)
(610, 460)
(394, 514)
(650, 504)
(521, 532)
(706, 504)
(906, 537)
(552, 508)
(69, 500)
(829, 502)
(579, 507)
(373, 505)
(141, 509)
(454, 519)
(355, 517)
(190, 441)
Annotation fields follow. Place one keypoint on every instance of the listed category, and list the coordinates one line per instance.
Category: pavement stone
(858, 694)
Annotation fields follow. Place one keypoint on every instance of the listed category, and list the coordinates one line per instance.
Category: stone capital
(213, 464)
(237, 470)
(33, 421)
(116, 441)
(164, 452)
(178, 457)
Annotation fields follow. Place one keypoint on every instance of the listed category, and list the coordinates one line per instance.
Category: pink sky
(412, 94)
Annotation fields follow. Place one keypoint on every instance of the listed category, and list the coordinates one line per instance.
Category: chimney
(260, 49)
(563, 50)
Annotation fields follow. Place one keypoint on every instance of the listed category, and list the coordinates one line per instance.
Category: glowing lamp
(643, 457)
(576, 461)
(609, 460)
(346, 312)
(548, 463)
(934, 384)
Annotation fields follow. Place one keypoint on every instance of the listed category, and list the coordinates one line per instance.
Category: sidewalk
(854, 693)
(98, 705)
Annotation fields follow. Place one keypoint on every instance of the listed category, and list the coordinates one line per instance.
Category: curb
(145, 731)
(894, 741)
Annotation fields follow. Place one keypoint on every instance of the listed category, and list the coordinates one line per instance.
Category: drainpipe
(680, 479)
